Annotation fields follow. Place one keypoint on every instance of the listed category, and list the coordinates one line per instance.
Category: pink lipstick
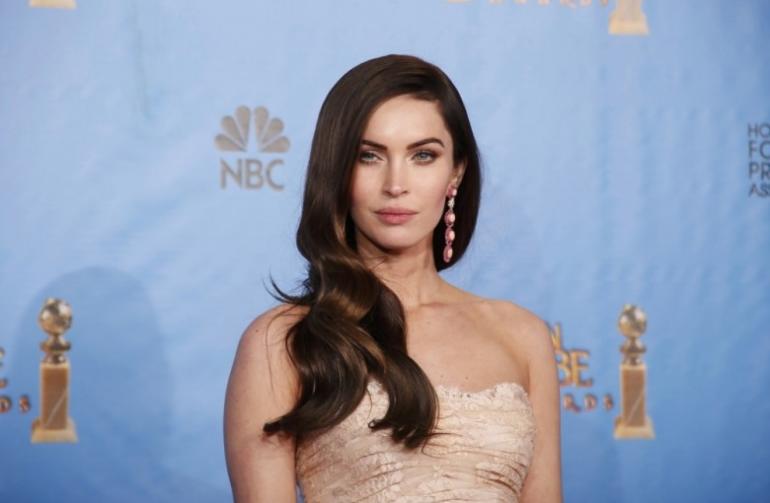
(394, 215)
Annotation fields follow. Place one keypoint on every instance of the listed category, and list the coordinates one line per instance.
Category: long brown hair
(354, 326)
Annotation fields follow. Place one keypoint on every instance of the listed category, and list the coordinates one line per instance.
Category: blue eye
(425, 156)
(367, 157)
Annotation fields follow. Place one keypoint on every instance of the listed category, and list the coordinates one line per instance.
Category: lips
(395, 211)
(393, 215)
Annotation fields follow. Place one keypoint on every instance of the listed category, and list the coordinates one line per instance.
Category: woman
(381, 381)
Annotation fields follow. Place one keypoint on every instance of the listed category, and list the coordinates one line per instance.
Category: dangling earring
(449, 220)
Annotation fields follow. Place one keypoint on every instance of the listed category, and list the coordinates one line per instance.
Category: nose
(395, 182)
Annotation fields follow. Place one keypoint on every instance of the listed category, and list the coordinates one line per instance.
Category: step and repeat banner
(152, 159)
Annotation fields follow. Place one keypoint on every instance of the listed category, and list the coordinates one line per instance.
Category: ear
(457, 174)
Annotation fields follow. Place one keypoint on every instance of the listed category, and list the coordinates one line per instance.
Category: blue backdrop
(619, 168)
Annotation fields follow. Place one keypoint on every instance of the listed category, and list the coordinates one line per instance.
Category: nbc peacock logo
(241, 166)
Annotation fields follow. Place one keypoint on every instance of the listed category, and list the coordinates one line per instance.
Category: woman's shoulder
(263, 386)
(262, 346)
(498, 308)
(275, 322)
(526, 331)
(515, 314)
(519, 327)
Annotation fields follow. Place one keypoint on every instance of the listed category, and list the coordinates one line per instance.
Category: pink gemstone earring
(449, 220)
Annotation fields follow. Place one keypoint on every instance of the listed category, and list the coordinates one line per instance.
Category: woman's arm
(543, 482)
(262, 387)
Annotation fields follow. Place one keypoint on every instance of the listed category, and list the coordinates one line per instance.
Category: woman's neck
(411, 274)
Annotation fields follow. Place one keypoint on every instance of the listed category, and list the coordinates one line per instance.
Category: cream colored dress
(485, 458)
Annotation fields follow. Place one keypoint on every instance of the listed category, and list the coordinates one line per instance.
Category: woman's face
(403, 172)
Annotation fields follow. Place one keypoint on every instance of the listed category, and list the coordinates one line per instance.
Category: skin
(405, 160)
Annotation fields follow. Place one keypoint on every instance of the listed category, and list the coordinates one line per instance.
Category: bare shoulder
(277, 320)
(262, 386)
(524, 332)
(273, 325)
(263, 345)
(527, 332)
(532, 337)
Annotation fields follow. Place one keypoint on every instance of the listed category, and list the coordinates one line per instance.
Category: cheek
(358, 193)
(440, 205)
(432, 204)
(362, 193)
(357, 188)
(436, 194)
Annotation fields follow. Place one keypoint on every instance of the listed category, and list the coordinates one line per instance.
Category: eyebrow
(409, 147)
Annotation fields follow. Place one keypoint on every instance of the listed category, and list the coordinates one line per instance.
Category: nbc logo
(245, 171)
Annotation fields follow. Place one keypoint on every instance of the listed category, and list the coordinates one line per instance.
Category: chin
(393, 239)
(397, 245)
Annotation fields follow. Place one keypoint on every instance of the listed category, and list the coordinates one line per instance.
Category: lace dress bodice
(485, 457)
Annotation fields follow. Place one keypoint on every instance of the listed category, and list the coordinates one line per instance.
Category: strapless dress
(485, 458)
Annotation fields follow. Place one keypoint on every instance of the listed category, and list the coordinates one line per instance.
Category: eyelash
(431, 156)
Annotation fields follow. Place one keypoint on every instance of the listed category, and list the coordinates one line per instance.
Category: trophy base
(629, 26)
(42, 435)
(625, 431)
(57, 4)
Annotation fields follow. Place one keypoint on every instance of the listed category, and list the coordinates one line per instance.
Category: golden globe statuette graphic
(54, 423)
(633, 421)
(628, 19)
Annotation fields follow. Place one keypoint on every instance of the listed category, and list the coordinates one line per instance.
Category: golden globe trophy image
(628, 19)
(633, 421)
(54, 423)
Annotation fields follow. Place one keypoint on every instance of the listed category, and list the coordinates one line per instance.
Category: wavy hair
(354, 326)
